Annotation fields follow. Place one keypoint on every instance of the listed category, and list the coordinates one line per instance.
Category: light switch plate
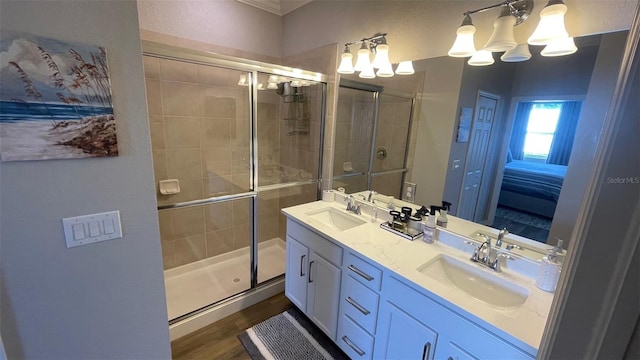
(89, 229)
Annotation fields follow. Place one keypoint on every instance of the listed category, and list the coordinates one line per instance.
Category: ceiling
(278, 7)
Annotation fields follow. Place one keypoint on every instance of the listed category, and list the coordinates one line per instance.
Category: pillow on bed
(509, 156)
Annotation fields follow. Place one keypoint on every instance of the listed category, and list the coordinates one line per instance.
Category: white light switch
(88, 229)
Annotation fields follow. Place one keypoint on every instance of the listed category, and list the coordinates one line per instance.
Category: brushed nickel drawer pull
(357, 306)
(360, 272)
(302, 265)
(426, 350)
(352, 345)
(310, 265)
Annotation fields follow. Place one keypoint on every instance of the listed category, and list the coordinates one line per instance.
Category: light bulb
(346, 64)
(464, 45)
(560, 47)
(517, 54)
(551, 25)
(481, 58)
(363, 59)
(405, 68)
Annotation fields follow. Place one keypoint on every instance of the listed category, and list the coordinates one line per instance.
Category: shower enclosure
(233, 142)
(372, 137)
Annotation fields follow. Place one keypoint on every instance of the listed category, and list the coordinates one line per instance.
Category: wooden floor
(220, 339)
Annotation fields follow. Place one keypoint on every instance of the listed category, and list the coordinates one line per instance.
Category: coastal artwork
(55, 100)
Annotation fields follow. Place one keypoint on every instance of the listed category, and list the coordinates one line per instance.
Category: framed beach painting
(55, 100)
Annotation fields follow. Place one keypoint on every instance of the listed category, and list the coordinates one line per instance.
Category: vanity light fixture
(550, 32)
(377, 45)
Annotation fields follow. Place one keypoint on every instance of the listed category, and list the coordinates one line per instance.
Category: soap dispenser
(442, 218)
(560, 252)
(549, 272)
(429, 228)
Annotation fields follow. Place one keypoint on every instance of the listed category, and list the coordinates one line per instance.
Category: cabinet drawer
(363, 271)
(353, 340)
(325, 248)
(360, 303)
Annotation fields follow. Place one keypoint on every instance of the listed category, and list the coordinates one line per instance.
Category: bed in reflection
(532, 186)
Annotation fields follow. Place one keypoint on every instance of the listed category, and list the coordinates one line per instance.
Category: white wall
(104, 300)
(226, 23)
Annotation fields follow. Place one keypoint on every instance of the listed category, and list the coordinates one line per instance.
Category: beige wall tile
(240, 160)
(182, 132)
(217, 186)
(240, 211)
(160, 165)
(179, 99)
(268, 227)
(240, 132)
(178, 71)
(154, 97)
(241, 236)
(226, 102)
(215, 132)
(166, 231)
(155, 119)
(187, 222)
(184, 164)
(157, 136)
(216, 161)
(151, 67)
(190, 249)
(212, 75)
(241, 183)
(168, 255)
(219, 242)
(218, 216)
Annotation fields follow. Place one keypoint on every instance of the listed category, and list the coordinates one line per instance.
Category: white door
(476, 155)
(295, 284)
(322, 299)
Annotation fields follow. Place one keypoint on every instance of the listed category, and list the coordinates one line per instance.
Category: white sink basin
(335, 219)
(474, 281)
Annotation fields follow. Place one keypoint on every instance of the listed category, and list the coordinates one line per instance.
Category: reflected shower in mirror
(539, 101)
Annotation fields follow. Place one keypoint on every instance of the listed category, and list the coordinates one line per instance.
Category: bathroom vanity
(379, 295)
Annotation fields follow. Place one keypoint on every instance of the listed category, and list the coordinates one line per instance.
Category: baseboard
(224, 309)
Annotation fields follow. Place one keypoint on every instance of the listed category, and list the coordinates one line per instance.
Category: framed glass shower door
(372, 138)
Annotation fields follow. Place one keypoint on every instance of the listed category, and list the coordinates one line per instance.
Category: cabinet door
(405, 337)
(323, 295)
(297, 271)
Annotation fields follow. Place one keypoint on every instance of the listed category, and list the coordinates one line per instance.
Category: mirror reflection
(495, 141)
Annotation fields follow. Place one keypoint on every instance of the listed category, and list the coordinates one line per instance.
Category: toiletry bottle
(560, 252)
(374, 211)
(442, 218)
(429, 229)
(548, 272)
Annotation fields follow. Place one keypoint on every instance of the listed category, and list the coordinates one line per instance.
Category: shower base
(199, 284)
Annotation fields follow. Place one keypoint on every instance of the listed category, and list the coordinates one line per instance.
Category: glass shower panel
(392, 131)
(353, 138)
(200, 135)
(206, 253)
(288, 131)
(272, 226)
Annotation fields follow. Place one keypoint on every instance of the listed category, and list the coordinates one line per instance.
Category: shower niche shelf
(298, 118)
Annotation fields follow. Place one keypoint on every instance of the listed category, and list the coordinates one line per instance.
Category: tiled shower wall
(200, 135)
(199, 121)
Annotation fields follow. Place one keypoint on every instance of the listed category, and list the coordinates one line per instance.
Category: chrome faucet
(482, 254)
(352, 206)
(501, 235)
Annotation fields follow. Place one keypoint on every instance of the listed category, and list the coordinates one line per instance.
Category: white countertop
(525, 323)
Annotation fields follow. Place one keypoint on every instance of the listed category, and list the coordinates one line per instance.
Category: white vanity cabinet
(359, 304)
(412, 325)
(313, 276)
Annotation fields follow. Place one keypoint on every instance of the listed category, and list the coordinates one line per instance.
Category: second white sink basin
(335, 219)
(476, 282)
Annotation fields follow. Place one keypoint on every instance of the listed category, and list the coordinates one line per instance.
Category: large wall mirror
(496, 141)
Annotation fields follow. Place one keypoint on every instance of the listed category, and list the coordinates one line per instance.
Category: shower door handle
(302, 265)
(310, 265)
